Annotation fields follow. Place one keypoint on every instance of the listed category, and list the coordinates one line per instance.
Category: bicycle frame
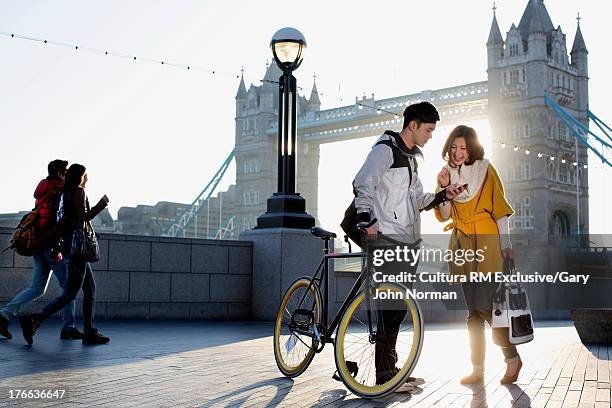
(323, 281)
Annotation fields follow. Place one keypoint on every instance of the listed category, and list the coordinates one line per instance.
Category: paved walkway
(231, 364)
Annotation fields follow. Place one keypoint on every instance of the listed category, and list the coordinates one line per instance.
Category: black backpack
(349, 222)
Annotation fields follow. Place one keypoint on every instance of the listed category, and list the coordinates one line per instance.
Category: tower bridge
(532, 61)
(531, 76)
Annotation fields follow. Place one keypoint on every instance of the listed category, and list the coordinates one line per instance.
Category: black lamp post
(286, 208)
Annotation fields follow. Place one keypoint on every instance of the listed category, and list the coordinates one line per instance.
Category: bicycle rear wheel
(374, 365)
(293, 351)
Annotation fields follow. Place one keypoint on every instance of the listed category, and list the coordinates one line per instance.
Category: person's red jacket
(47, 195)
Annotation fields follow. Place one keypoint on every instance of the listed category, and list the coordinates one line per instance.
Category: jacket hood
(415, 151)
(46, 185)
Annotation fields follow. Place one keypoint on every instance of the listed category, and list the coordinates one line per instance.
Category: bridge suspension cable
(178, 227)
(227, 228)
(580, 131)
(600, 124)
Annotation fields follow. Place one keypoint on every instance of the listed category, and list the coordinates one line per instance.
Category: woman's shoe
(473, 378)
(510, 379)
(29, 325)
(476, 377)
(71, 333)
(4, 332)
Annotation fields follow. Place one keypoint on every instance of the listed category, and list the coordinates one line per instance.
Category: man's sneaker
(29, 325)
(71, 333)
(416, 381)
(92, 337)
(4, 328)
(406, 388)
(412, 381)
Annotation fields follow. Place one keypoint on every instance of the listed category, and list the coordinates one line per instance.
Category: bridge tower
(533, 61)
(256, 149)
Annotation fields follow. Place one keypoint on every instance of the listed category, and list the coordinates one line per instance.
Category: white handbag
(511, 309)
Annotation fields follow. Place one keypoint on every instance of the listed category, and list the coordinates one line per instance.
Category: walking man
(47, 195)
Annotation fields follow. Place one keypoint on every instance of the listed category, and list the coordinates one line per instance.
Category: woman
(80, 275)
(479, 222)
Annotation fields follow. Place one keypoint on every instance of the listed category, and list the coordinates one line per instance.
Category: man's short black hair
(422, 112)
(57, 166)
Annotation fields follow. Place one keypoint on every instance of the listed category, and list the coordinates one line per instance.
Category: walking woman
(80, 275)
(479, 222)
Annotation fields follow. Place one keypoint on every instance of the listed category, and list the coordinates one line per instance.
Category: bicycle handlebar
(362, 225)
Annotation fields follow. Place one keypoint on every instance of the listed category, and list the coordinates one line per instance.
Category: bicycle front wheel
(375, 352)
(300, 308)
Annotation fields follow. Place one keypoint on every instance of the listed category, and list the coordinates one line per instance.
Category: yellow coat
(474, 225)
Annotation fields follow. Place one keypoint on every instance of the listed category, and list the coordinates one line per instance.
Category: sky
(150, 132)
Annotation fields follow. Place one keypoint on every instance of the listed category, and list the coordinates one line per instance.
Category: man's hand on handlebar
(369, 228)
(373, 230)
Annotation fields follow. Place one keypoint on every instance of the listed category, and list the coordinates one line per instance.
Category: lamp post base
(286, 211)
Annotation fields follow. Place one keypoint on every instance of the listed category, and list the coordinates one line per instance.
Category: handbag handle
(509, 267)
(82, 220)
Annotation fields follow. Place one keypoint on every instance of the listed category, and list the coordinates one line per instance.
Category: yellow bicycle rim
(283, 366)
(410, 362)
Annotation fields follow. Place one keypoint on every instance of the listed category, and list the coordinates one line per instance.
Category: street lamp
(288, 45)
(286, 208)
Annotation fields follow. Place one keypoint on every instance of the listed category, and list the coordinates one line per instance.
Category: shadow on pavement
(131, 341)
(283, 387)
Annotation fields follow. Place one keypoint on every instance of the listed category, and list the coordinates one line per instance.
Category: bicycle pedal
(353, 367)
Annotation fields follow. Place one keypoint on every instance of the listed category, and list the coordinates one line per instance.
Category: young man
(388, 188)
(47, 195)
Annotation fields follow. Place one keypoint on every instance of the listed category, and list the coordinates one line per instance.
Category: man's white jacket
(388, 188)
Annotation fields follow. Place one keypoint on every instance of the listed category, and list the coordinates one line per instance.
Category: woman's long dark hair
(73, 176)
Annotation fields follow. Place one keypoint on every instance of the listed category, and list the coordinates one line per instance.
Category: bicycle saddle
(321, 233)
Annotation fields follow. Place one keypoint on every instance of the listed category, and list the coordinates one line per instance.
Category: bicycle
(365, 330)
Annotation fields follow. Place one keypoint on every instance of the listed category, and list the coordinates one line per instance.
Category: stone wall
(177, 278)
(153, 278)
